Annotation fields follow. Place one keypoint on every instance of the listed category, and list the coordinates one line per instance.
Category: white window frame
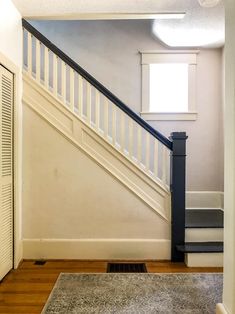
(176, 56)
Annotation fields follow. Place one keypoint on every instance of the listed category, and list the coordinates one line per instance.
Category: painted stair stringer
(85, 138)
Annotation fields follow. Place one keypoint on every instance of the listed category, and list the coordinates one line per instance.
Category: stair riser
(204, 259)
(204, 234)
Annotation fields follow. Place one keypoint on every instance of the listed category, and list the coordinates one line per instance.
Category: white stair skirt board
(205, 199)
(220, 309)
(127, 249)
(204, 234)
(204, 259)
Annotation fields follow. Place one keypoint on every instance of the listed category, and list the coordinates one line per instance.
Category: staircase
(101, 126)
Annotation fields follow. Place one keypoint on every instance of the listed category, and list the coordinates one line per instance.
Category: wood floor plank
(20, 309)
(23, 299)
(26, 289)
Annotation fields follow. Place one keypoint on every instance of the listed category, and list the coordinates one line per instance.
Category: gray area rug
(135, 293)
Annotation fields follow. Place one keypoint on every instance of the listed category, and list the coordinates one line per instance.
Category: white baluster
(80, 96)
(114, 130)
(46, 67)
(71, 82)
(106, 117)
(164, 163)
(147, 155)
(122, 131)
(88, 102)
(168, 167)
(55, 74)
(130, 144)
(29, 53)
(63, 82)
(38, 61)
(24, 47)
(155, 158)
(97, 110)
(139, 145)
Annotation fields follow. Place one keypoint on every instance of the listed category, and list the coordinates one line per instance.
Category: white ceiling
(200, 26)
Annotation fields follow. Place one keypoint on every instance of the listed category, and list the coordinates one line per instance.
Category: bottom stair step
(202, 254)
(201, 247)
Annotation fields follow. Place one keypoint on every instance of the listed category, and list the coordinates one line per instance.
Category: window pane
(169, 87)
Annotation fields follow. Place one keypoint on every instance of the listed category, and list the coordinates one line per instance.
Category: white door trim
(17, 157)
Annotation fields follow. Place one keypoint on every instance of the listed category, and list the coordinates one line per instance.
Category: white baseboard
(204, 259)
(132, 249)
(220, 309)
(204, 199)
(18, 253)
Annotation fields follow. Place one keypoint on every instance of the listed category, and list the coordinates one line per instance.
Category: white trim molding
(18, 246)
(132, 249)
(205, 199)
(165, 56)
(112, 16)
(169, 56)
(169, 116)
(220, 309)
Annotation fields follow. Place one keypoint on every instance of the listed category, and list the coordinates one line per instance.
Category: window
(169, 85)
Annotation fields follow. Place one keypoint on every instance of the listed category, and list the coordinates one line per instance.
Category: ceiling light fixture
(208, 3)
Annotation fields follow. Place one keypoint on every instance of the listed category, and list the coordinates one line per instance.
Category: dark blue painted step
(204, 218)
(201, 247)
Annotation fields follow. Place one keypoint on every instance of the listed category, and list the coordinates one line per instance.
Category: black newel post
(178, 171)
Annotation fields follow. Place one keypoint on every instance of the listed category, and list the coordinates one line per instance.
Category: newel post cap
(178, 136)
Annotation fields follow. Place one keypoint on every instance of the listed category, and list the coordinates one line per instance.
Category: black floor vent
(40, 262)
(126, 268)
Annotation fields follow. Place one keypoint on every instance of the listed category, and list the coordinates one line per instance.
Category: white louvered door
(6, 171)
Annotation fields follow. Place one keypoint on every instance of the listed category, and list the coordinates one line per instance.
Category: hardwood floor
(26, 289)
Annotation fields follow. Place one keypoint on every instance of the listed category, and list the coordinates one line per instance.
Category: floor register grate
(126, 268)
(40, 262)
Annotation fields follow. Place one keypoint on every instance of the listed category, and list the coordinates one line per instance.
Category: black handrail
(164, 140)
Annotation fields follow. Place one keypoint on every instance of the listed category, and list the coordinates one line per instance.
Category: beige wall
(109, 51)
(67, 196)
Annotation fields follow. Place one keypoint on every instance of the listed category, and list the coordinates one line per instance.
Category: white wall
(109, 51)
(11, 58)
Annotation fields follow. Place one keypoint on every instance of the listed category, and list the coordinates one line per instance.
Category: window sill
(169, 116)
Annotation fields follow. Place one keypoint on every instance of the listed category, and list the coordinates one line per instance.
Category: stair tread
(204, 218)
(201, 247)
